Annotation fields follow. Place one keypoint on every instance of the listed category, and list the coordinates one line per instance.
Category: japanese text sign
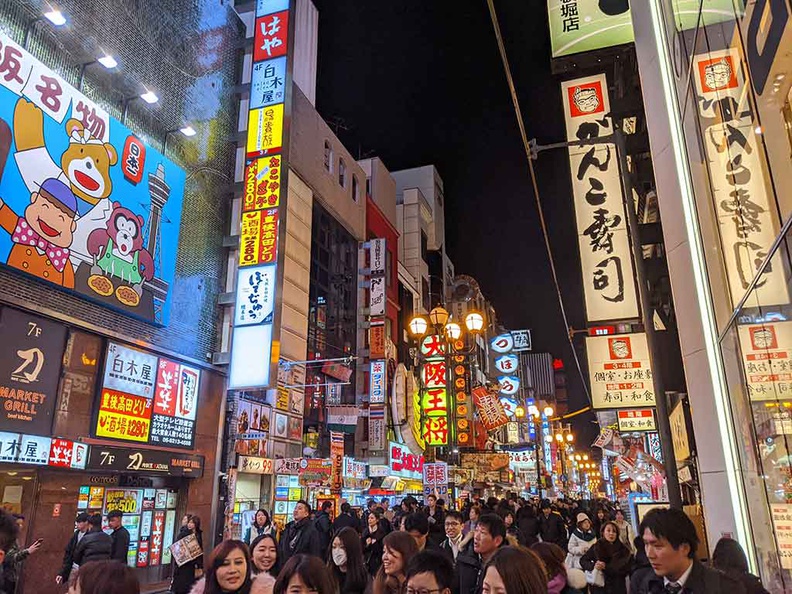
(30, 366)
(503, 343)
(767, 360)
(489, 408)
(522, 340)
(254, 465)
(605, 253)
(377, 387)
(116, 236)
(620, 371)
(404, 463)
(631, 421)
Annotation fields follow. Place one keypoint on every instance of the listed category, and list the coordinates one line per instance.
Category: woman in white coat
(580, 541)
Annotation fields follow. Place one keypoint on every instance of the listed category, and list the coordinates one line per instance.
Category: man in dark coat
(300, 535)
(324, 525)
(345, 519)
(68, 556)
(119, 537)
(671, 541)
(95, 545)
(552, 527)
(490, 535)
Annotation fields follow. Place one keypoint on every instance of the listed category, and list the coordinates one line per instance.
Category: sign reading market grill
(605, 253)
(128, 460)
(260, 276)
(620, 371)
(147, 399)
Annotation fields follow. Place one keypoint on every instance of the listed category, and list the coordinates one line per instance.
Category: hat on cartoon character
(55, 190)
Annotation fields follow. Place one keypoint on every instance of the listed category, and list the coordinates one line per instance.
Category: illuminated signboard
(605, 253)
(631, 421)
(403, 463)
(463, 409)
(434, 391)
(620, 371)
(86, 205)
(262, 218)
(147, 399)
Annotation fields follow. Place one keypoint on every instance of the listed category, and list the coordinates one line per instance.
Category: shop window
(328, 157)
(355, 189)
(341, 173)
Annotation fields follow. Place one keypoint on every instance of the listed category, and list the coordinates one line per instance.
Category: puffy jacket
(577, 547)
(94, 546)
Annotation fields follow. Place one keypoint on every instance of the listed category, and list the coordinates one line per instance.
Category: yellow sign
(265, 129)
(117, 426)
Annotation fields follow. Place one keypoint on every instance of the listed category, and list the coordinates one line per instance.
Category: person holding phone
(12, 565)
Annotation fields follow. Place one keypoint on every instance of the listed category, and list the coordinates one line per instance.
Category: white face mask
(339, 557)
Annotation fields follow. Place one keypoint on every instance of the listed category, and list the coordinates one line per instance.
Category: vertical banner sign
(378, 376)
(263, 213)
(463, 407)
(337, 458)
(605, 254)
(740, 186)
(620, 371)
(434, 391)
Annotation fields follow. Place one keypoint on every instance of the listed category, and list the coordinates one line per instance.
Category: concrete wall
(383, 187)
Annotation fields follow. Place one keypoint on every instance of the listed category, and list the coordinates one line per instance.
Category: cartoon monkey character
(84, 165)
(118, 253)
(42, 236)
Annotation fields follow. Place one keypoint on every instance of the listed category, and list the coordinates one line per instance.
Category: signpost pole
(661, 402)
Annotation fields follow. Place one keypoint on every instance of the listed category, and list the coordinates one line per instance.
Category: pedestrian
(671, 541)
(229, 571)
(346, 562)
(9, 532)
(95, 545)
(305, 574)
(513, 534)
(372, 542)
(16, 556)
(300, 535)
(528, 523)
(610, 556)
(119, 536)
(429, 571)
(417, 526)
(455, 541)
(551, 526)
(104, 577)
(436, 517)
(642, 569)
(81, 528)
(489, 536)
(264, 555)
(345, 519)
(371, 505)
(552, 557)
(626, 534)
(580, 541)
(387, 512)
(600, 517)
(324, 525)
(514, 570)
(398, 549)
(473, 516)
(262, 524)
(184, 576)
(729, 558)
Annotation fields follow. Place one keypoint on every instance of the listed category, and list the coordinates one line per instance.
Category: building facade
(716, 87)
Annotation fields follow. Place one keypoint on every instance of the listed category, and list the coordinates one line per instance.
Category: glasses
(453, 523)
(422, 590)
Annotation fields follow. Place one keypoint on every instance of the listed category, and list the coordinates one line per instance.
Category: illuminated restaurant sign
(434, 391)
(147, 399)
(620, 371)
(264, 191)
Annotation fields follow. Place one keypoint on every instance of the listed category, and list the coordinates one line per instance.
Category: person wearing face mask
(264, 553)
(229, 571)
(345, 562)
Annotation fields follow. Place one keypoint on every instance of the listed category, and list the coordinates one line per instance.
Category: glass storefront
(733, 84)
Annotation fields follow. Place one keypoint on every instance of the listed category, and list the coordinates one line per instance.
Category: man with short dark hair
(552, 527)
(300, 535)
(455, 541)
(81, 529)
(119, 536)
(345, 519)
(95, 545)
(417, 526)
(671, 541)
(324, 525)
(488, 537)
(429, 572)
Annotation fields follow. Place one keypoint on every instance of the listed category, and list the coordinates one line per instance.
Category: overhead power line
(542, 222)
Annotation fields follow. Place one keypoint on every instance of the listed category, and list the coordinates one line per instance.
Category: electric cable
(542, 222)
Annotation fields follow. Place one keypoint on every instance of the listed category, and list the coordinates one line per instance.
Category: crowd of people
(507, 546)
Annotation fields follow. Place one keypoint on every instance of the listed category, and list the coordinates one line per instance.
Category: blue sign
(268, 83)
(269, 6)
(85, 205)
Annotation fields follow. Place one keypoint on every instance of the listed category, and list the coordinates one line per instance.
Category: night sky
(415, 83)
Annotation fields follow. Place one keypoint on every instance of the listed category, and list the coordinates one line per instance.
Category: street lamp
(559, 437)
(474, 322)
(570, 437)
(439, 316)
(453, 331)
(548, 411)
(519, 412)
(418, 326)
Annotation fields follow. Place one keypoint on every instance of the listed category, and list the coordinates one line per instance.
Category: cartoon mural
(73, 210)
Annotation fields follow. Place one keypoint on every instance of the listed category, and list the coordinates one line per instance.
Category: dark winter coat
(529, 526)
(618, 562)
(702, 580)
(751, 583)
(469, 572)
(436, 525)
(641, 570)
(299, 537)
(184, 575)
(120, 544)
(372, 552)
(324, 526)
(68, 557)
(552, 529)
(345, 521)
(94, 546)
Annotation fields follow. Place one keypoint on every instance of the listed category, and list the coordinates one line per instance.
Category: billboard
(603, 239)
(620, 371)
(85, 204)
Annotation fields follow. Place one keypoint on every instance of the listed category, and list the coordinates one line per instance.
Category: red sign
(133, 159)
(142, 554)
(271, 36)
(61, 453)
(403, 460)
(262, 183)
(157, 529)
(490, 409)
(167, 388)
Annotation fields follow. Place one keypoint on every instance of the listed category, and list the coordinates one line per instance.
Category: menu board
(147, 399)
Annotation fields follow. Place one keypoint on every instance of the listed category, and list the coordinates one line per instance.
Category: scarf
(587, 536)
(24, 235)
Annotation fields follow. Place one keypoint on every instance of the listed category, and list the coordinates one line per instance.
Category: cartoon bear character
(118, 253)
(43, 236)
(84, 165)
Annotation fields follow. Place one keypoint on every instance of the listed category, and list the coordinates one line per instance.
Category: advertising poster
(620, 371)
(121, 199)
(315, 472)
(96, 498)
(489, 408)
(30, 364)
(295, 428)
(167, 540)
(281, 425)
(767, 360)
(185, 549)
(157, 530)
(129, 501)
(82, 498)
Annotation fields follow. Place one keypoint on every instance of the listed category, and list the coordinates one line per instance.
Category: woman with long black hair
(345, 562)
